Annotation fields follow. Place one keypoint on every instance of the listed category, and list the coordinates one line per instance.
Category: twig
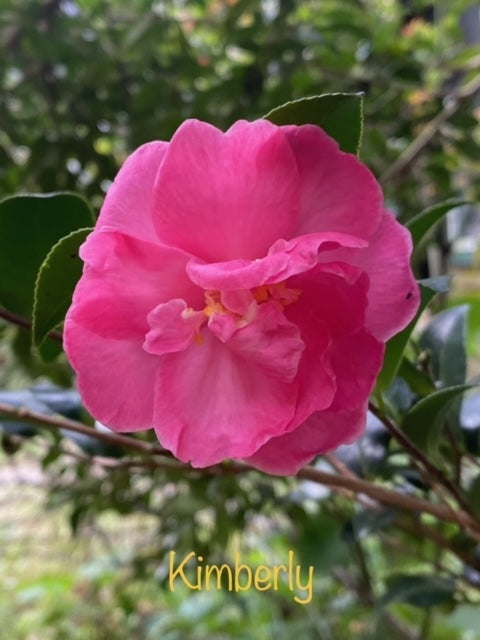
(410, 154)
(60, 422)
(354, 484)
(20, 321)
(392, 498)
(417, 529)
(410, 446)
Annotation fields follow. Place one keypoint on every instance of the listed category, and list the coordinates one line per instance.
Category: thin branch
(60, 422)
(410, 446)
(417, 529)
(410, 154)
(392, 498)
(20, 321)
(354, 484)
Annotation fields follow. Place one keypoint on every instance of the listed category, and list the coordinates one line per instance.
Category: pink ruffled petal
(128, 204)
(332, 304)
(212, 405)
(338, 192)
(114, 376)
(173, 327)
(125, 278)
(334, 294)
(239, 301)
(271, 342)
(356, 361)
(321, 432)
(223, 196)
(284, 259)
(394, 295)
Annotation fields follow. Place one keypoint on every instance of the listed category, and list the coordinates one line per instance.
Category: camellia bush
(241, 347)
(237, 293)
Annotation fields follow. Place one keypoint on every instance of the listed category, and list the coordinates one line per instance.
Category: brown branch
(20, 321)
(452, 104)
(392, 498)
(411, 448)
(339, 466)
(404, 522)
(417, 529)
(60, 422)
(356, 485)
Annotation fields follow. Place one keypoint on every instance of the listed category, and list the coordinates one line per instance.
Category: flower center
(232, 302)
(242, 307)
(225, 312)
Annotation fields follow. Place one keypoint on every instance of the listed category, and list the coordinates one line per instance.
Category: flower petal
(124, 279)
(128, 204)
(338, 192)
(114, 376)
(223, 196)
(173, 327)
(270, 341)
(394, 295)
(212, 405)
(284, 259)
(332, 304)
(356, 360)
(320, 433)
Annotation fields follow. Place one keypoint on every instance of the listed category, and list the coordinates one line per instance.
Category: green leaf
(418, 590)
(56, 281)
(396, 346)
(446, 339)
(29, 227)
(418, 381)
(421, 224)
(473, 495)
(426, 419)
(438, 284)
(470, 423)
(468, 58)
(339, 114)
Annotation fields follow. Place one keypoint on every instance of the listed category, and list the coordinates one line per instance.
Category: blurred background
(83, 545)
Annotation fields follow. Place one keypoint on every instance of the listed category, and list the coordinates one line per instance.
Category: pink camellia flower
(237, 294)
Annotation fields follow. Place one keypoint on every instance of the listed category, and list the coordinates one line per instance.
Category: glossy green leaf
(473, 495)
(445, 338)
(419, 382)
(470, 422)
(421, 224)
(396, 346)
(339, 114)
(468, 58)
(426, 419)
(29, 227)
(418, 590)
(56, 281)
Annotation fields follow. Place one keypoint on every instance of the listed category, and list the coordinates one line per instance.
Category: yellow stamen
(215, 307)
(261, 293)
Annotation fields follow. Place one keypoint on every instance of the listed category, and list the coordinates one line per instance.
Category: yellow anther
(261, 293)
(215, 307)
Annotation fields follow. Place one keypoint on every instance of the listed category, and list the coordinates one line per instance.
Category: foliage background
(85, 82)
